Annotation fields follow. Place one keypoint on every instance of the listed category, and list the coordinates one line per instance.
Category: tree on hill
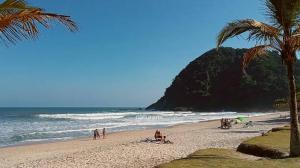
(18, 21)
(283, 35)
(215, 82)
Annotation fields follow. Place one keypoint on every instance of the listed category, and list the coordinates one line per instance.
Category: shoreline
(91, 137)
(85, 137)
(82, 151)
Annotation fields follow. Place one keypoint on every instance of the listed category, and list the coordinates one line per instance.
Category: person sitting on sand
(157, 135)
(103, 132)
(222, 123)
(96, 134)
(164, 141)
(227, 123)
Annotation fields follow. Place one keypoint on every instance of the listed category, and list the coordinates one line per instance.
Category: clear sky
(125, 54)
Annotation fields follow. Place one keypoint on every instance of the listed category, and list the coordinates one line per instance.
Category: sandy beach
(125, 149)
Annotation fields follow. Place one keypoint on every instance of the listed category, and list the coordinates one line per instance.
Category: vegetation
(274, 144)
(208, 83)
(18, 21)
(283, 103)
(225, 158)
(277, 140)
(282, 36)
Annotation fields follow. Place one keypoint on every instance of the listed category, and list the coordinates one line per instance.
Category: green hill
(215, 82)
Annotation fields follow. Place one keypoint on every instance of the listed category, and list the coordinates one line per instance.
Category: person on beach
(96, 134)
(222, 123)
(225, 123)
(165, 141)
(158, 135)
(103, 132)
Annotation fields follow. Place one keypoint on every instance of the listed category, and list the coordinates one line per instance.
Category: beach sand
(125, 149)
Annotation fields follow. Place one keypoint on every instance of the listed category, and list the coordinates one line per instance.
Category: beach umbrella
(242, 118)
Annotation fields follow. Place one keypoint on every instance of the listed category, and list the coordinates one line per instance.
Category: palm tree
(20, 21)
(282, 35)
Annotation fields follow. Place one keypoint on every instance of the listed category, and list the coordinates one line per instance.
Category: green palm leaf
(283, 36)
(257, 30)
(20, 21)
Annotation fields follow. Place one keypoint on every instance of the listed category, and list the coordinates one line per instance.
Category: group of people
(226, 123)
(158, 136)
(97, 133)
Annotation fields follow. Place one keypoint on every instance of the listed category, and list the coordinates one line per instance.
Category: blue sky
(125, 54)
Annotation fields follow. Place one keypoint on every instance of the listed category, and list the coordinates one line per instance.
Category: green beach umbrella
(242, 118)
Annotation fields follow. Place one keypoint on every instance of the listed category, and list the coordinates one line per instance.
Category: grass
(279, 140)
(274, 144)
(225, 158)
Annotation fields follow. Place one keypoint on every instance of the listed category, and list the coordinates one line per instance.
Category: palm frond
(283, 13)
(253, 52)
(14, 6)
(24, 24)
(257, 31)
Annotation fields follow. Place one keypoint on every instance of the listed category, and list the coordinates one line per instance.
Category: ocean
(29, 125)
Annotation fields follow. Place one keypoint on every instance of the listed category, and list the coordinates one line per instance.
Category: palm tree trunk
(295, 133)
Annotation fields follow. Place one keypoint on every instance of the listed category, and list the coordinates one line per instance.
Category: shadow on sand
(244, 131)
(276, 121)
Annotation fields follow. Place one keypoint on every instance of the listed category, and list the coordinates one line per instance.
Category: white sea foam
(92, 116)
(110, 115)
(46, 139)
(61, 131)
(218, 114)
(142, 119)
(62, 125)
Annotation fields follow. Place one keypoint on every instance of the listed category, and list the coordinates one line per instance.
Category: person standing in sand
(96, 134)
(103, 132)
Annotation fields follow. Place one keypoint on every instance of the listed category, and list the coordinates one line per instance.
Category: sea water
(28, 125)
